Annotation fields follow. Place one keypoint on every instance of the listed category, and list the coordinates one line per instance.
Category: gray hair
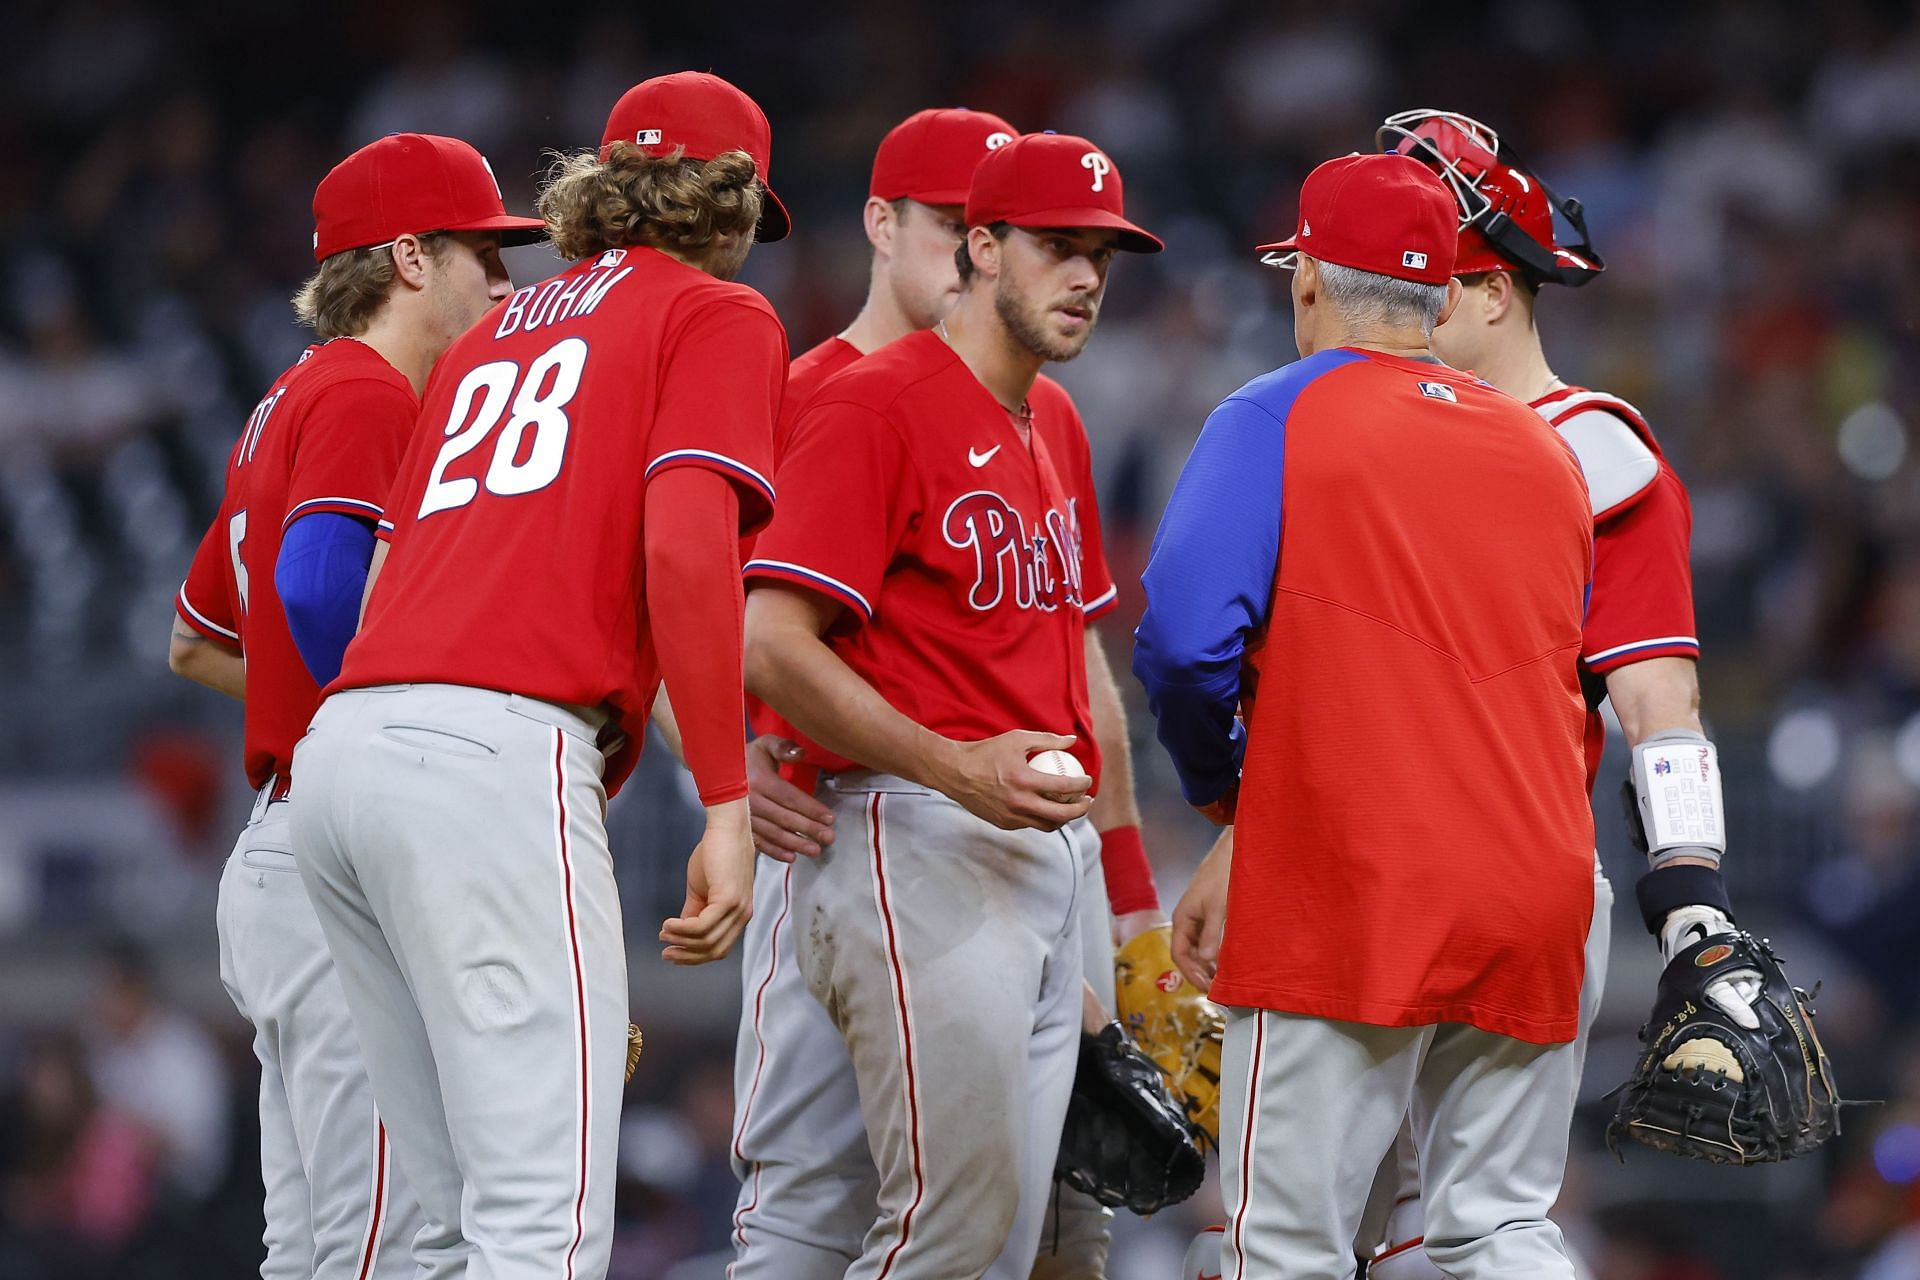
(1366, 297)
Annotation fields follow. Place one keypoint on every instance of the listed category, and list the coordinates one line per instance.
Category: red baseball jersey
(969, 560)
(1642, 604)
(804, 377)
(1413, 844)
(327, 437)
(516, 560)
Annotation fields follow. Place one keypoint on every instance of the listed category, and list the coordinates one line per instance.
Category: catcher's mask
(1506, 213)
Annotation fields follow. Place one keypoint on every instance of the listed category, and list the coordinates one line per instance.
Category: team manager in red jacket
(1381, 563)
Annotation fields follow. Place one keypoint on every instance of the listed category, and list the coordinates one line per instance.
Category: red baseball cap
(1388, 214)
(410, 184)
(931, 155)
(1053, 180)
(706, 117)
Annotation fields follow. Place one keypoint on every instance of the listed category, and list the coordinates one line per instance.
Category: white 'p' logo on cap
(1414, 259)
(1101, 167)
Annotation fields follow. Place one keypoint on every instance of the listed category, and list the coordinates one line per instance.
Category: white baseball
(1060, 764)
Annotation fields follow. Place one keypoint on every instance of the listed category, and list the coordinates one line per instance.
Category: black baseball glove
(1713, 1089)
(1127, 1141)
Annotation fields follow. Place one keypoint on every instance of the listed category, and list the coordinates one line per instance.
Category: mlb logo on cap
(1365, 206)
(705, 117)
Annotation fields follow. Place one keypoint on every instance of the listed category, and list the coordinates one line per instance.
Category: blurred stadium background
(1752, 172)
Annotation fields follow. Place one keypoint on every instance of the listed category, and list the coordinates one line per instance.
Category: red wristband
(1129, 876)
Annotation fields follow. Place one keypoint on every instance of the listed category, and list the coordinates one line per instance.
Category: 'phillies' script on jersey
(965, 552)
(1041, 559)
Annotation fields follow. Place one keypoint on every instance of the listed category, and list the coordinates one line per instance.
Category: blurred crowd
(1751, 175)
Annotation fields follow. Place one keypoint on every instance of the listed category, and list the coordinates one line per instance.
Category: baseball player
(1639, 649)
(564, 534)
(918, 611)
(808, 1181)
(407, 232)
(1382, 564)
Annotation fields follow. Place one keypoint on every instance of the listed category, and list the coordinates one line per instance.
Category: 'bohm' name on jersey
(1043, 562)
(560, 299)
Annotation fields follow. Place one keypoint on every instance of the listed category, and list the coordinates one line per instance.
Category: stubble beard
(1029, 329)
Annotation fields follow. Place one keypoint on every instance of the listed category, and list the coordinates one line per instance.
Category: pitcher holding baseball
(918, 609)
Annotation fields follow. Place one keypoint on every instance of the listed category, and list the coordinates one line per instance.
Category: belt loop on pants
(277, 788)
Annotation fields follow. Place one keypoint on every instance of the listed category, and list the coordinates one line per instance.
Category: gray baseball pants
(1310, 1107)
(947, 954)
(1393, 1229)
(808, 1181)
(454, 844)
(335, 1207)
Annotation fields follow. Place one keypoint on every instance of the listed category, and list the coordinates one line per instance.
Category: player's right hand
(719, 889)
(786, 820)
(1201, 917)
(991, 779)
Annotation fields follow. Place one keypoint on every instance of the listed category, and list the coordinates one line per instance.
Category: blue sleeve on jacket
(320, 577)
(1209, 579)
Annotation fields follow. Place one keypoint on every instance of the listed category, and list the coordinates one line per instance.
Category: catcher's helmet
(1506, 213)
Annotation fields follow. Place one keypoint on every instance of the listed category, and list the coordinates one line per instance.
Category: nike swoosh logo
(979, 459)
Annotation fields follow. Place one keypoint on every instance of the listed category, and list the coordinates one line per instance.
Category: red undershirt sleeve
(1129, 876)
(695, 603)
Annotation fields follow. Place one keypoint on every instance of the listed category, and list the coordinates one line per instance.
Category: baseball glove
(1126, 1141)
(1708, 1088)
(1175, 1025)
(634, 1042)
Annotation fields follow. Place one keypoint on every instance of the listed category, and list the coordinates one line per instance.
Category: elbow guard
(1673, 798)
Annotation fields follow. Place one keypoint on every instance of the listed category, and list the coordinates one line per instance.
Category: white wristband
(1676, 783)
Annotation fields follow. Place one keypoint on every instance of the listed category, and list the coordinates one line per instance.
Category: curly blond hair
(342, 297)
(631, 198)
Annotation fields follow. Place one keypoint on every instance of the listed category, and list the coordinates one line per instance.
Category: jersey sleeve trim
(339, 506)
(1621, 655)
(799, 573)
(201, 622)
(717, 461)
(1103, 605)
